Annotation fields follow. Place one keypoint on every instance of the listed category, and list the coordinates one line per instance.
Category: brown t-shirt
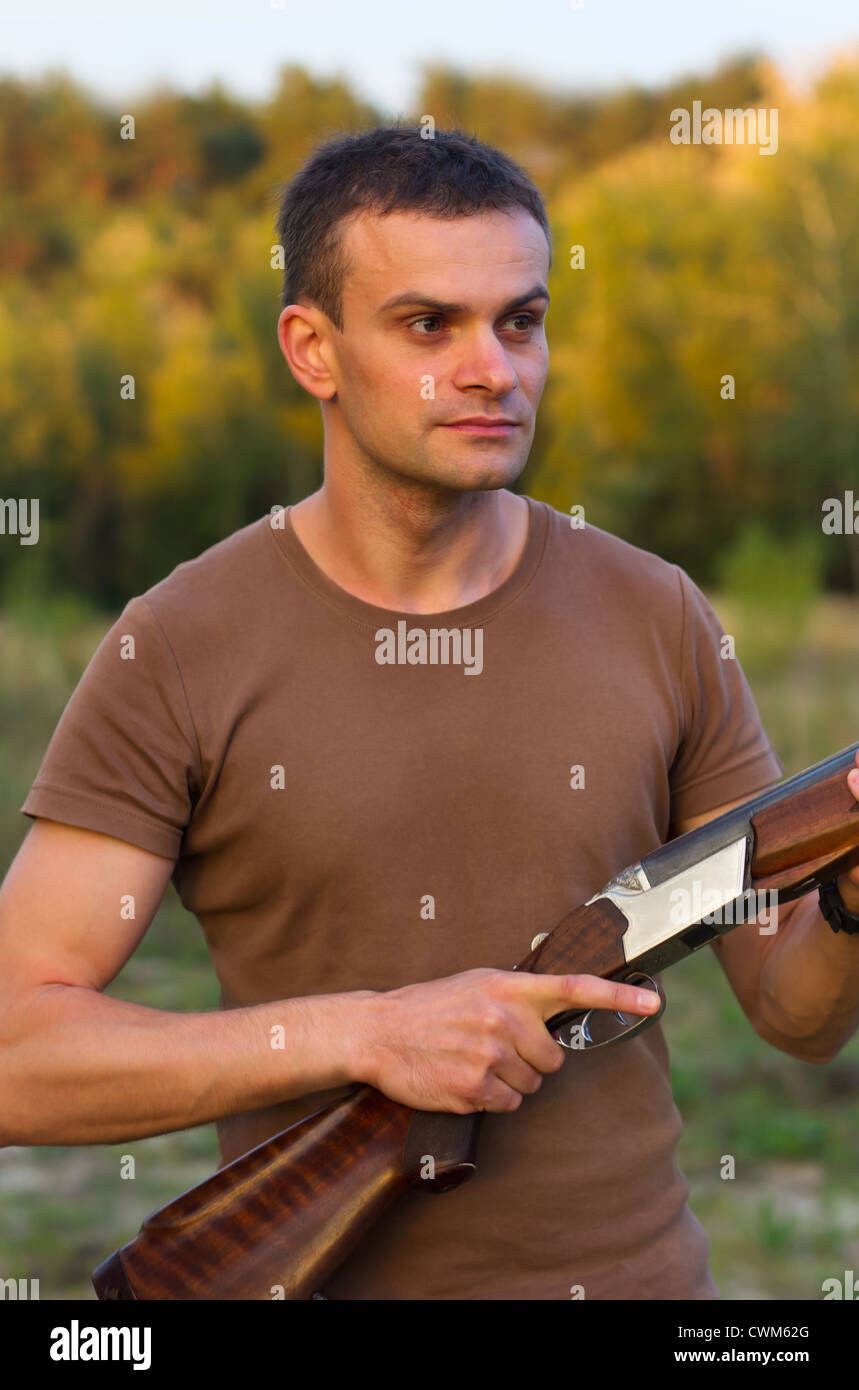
(430, 818)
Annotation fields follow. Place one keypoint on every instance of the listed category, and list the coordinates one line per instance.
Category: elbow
(817, 1056)
(22, 1126)
(19, 1094)
(11, 1133)
(803, 1051)
(801, 1038)
(14, 1129)
(809, 1046)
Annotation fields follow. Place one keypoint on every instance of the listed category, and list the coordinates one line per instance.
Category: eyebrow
(421, 301)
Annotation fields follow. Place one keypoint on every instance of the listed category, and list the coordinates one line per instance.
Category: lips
(481, 424)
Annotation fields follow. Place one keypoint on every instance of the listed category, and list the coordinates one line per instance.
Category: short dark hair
(383, 170)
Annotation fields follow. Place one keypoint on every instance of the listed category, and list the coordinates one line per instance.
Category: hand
(476, 1041)
(848, 884)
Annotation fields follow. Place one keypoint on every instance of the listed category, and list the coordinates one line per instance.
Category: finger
(517, 1073)
(538, 1048)
(497, 1096)
(557, 993)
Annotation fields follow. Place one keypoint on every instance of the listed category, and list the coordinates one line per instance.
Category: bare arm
(80, 1067)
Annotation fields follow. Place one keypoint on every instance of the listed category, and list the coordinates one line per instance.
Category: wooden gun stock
(286, 1215)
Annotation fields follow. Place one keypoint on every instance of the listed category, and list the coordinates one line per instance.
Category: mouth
(492, 426)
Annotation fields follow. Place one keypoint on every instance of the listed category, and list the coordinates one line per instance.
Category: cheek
(394, 388)
(532, 375)
(383, 403)
(386, 380)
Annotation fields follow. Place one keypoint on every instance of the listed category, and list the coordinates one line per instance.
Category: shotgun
(279, 1220)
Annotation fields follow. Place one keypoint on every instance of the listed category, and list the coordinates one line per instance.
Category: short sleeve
(124, 757)
(724, 753)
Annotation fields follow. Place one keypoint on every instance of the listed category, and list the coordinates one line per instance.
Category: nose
(484, 364)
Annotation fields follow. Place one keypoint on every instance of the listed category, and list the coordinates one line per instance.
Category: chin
(482, 479)
(492, 484)
(479, 474)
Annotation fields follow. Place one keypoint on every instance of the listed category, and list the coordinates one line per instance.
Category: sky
(122, 50)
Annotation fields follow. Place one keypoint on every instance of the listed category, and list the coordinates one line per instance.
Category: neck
(408, 546)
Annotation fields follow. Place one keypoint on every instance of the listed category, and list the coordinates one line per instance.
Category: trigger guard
(633, 1029)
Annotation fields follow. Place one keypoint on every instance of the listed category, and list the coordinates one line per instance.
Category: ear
(304, 333)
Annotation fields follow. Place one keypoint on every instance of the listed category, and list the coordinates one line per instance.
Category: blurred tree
(151, 259)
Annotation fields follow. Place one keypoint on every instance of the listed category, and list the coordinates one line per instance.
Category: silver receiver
(651, 910)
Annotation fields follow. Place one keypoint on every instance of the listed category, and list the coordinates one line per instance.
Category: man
(381, 739)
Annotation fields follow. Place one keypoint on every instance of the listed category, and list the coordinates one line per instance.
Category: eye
(522, 321)
(431, 319)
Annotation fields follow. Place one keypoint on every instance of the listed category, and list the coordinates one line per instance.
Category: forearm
(808, 1000)
(80, 1067)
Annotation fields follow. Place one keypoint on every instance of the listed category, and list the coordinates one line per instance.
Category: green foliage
(775, 1230)
(760, 1128)
(773, 583)
(152, 258)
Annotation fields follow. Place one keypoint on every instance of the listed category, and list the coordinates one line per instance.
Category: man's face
(442, 325)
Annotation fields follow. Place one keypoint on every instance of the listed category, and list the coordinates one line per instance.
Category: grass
(786, 1220)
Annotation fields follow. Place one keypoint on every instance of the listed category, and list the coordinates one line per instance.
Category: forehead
(491, 254)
